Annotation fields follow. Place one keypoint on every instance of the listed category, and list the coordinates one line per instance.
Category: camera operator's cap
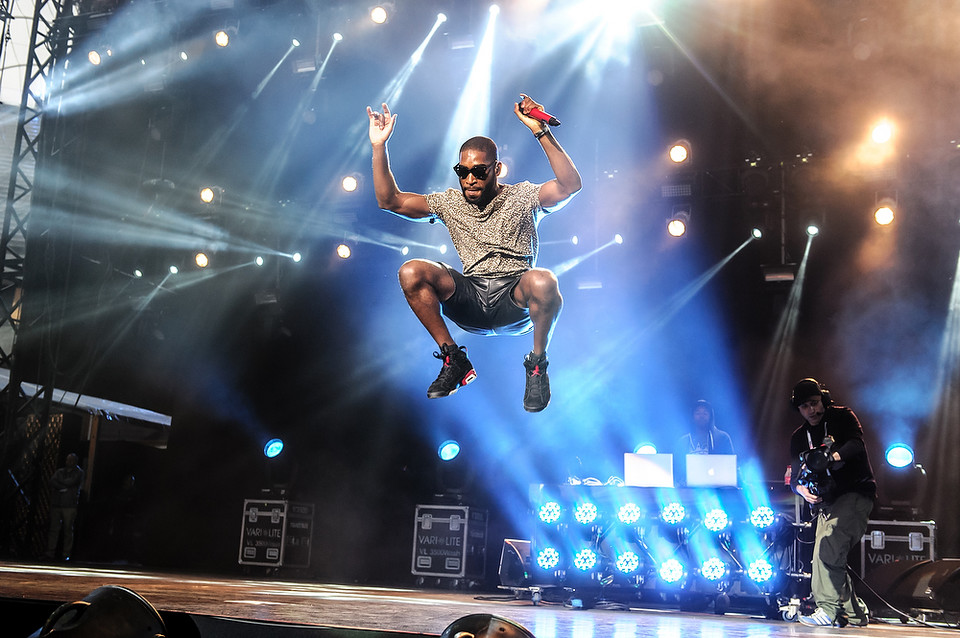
(805, 389)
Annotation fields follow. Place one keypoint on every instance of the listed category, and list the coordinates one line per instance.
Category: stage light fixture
(882, 132)
(760, 571)
(574, 240)
(629, 513)
(350, 183)
(813, 230)
(379, 14)
(716, 520)
(405, 250)
(550, 512)
(673, 513)
(258, 261)
(211, 194)
(494, 9)
(138, 273)
(585, 559)
(899, 455)
(677, 224)
(762, 517)
(296, 257)
(273, 448)
(201, 260)
(174, 270)
(586, 513)
(337, 37)
(441, 17)
(343, 251)
(548, 558)
(713, 569)
(222, 37)
(94, 57)
(295, 42)
(671, 570)
(627, 562)
(885, 210)
(448, 450)
(679, 152)
(645, 448)
(757, 233)
(618, 238)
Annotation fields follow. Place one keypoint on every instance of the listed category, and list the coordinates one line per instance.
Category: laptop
(711, 470)
(647, 470)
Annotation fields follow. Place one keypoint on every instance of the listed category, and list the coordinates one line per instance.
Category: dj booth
(692, 547)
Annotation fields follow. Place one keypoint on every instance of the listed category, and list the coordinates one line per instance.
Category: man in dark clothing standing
(831, 471)
(65, 488)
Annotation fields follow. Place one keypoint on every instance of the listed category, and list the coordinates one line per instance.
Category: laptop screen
(647, 470)
(711, 470)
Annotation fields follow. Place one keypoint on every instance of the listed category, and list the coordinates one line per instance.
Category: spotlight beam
(570, 264)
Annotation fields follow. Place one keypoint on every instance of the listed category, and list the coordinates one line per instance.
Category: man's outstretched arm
(554, 194)
(389, 195)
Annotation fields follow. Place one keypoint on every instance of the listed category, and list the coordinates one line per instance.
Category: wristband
(541, 133)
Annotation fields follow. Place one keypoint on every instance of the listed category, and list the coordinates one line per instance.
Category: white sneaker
(818, 618)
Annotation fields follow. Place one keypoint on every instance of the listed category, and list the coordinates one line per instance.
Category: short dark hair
(483, 144)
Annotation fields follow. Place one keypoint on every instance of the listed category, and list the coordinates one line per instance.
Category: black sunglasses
(479, 171)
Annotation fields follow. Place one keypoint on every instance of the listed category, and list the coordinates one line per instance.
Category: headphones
(803, 386)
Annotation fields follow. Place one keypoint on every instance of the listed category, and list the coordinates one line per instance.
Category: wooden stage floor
(239, 607)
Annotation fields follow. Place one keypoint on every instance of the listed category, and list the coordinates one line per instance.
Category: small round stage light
(550, 512)
(882, 132)
(183, 56)
(715, 520)
(813, 230)
(343, 251)
(585, 513)
(760, 571)
(258, 261)
(448, 450)
(378, 15)
(405, 250)
(628, 562)
(899, 455)
(222, 38)
(297, 258)
(295, 42)
(138, 273)
(762, 517)
(618, 238)
(757, 233)
(645, 448)
(441, 17)
(548, 558)
(679, 153)
(201, 260)
(585, 559)
(629, 513)
(883, 215)
(494, 9)
(94, 57)
(671, 570)
(174, 270)
(672, 513)
(207, 194)
(574, 240)
(273, 448)
(337, 37)
(676, 227)
(349, 183)
(713, 569)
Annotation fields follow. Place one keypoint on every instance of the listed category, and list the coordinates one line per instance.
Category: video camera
(813, 471)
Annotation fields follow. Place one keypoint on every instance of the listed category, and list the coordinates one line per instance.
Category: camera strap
(810, 441)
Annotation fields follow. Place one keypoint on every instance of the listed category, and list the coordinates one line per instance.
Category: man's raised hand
(381, 124)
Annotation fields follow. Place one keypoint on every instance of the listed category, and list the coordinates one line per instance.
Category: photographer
(831, 471)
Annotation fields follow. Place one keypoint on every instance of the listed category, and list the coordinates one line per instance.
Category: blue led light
(899, 455)
(713, 569)
(671, 570)
(629, 514)
(628, 562)
(585, 559)
(548, 558)
(273, 448)
(673, 513)
(762, 517)
(550, 512)
(715, 520)
(760, 571)
(448, 450)
(585, 513)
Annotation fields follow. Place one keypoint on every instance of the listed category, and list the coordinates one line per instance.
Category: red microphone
(544, 117)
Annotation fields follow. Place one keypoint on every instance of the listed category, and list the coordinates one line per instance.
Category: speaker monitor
(930, 585)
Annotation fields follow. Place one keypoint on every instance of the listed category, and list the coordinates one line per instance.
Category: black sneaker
(456, 371)
(536, 395)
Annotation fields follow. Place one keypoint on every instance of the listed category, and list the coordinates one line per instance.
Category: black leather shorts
(485, 306)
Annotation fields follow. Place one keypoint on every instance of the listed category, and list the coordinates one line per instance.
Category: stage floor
(291, 606)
